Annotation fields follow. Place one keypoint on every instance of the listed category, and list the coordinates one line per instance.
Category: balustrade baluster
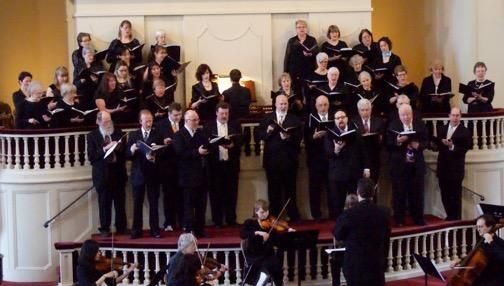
(285, 267)
(399, 266)
(86, 155)
(318, 268)
(475, 135)
(136, 272)
(431, 246)
(446, 249)
(146, 268)
(238, 267)
(17, 164)
(454, 245)
(157, 266)
(2, 152)
(66, 163)
(407, 255)
(308, 266)
(26, 154)
(125, 267)
(47, 156)
(492, 136)
(501, 132)
(415, 250)
(474, 240)
(36, 153)
(390, 258)
(296, 263)
(57, 154)
(424, 245)
(9, 153)
(484, 139)
(464, 243)
(439, 248)
(434, 128)
(76, 150)
(226, 273)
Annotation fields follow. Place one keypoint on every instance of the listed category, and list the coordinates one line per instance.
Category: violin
(272, 223)
(210, 270)
(471, 267)
(106, 264)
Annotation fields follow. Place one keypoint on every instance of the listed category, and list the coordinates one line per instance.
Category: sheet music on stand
(428, 268)
(496, 210)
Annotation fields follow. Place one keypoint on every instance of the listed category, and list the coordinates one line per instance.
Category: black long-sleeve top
(488, 92)
(206, 110)
(115, 51)
(182, 269)
(29, 110)
(428, 102)
(329, 49)
(295, 62)
(18, 97)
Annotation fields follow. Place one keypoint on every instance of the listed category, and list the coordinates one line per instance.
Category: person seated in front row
(24, 80)
(33, 113)
(64, 115)
(60, 77)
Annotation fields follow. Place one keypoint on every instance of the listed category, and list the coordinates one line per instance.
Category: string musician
(259, 234)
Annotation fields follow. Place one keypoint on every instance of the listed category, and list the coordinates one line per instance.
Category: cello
(471, 267)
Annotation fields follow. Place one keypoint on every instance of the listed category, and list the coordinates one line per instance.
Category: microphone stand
(46, 224)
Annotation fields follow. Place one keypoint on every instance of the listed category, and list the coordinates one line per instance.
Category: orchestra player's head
(68, 92)
(366, 37)
(356, 62)
(203, 72)
(322, 104)
(89, 253)
(261, 209)
(484, 223)
(88, 54)
(24, 80)
(175, 112)
(84, 40)
(406, 114)
(159, 87)
(455, 116)
(341, 119)
(333, 75)
(125, 30)
(281, 104)
(365, 108)
(191, 119)
(160, 37)
(365, 189)
(146, 119)
(322, 60)
(480, 70)
(104, 122)
(222, 112)
(402, 99)
(284, 81)
(301, 28)
(333, 33)
(35, 91)
(437, 68)
(186, 243)
(401, 74)
(351, 200)
(365, 80)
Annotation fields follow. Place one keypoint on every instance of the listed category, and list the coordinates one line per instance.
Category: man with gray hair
(109, 173)
(407, 165)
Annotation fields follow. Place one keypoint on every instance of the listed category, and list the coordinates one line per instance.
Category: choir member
(455, 141)
(126, 40)
(238, 97)
(402, 86)
(159, 40)
(386, 60)
(281, 132)
(24, 80)
(356, 63)
(372, 129)
(107, 98)
(154, 72)
(109, 173)
(407, 165)
(32, 113)
(190, 146)
(295, 100)
(60, 77)
(436, 91)
(224, 166)
(64, 116)
(316, 79)
(367, 90)
(83, 41)
(334, 90)
(370, 49)
(167, 171)
(127, 91)
(144, 175)
(332, 47)
(300, 53)
(159, 103)
(87, 77)
(205, 93)
(481, 97)
(316, 158)
(168, 72)
(348, 162)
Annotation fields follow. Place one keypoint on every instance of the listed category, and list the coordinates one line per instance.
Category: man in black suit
(347, 163)
(224, 163)
(407, 165)
(167, 169)
(237, 96)
(365, 231)
(109, 174)
(280, 159)
(316, 156)
(371, 128)
(456, 140)
(144, 174)
(189, 144)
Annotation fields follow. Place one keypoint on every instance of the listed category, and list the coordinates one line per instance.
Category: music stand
(428, 268)
(301, 241)
(495, 210)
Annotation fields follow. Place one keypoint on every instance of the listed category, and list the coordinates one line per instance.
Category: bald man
(407, 165)
(280, 158)
(455, 141)
(189, 144)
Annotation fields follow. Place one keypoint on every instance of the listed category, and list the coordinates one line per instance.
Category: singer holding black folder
(109, 174)
(480, 92)
(86, 78)
(125, 39)
(332, 47)
(205, 93)
(436, 91)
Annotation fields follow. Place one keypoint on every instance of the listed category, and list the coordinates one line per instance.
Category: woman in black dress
(332, 48)
(32, 113)
(83, 41)
(60, 77)
(86, 78)
(370, 50)
(436, 91)
(402, 86)
(64, 115)
(24, 80)
(316, 79)
(286, 88)
(158, 103)
(483, 90)
(108, 98)
(205, 93)
(367, 90)
(126, 40)
(387, 60)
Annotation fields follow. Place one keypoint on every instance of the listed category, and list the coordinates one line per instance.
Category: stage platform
(230, 236)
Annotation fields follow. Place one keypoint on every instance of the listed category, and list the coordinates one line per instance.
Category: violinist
(90, 262)
(258, 248)
(185, 268)
(493, 249)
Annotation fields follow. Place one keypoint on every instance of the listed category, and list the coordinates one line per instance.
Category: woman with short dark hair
(205, 93)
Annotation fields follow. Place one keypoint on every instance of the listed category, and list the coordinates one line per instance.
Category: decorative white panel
(81, 214)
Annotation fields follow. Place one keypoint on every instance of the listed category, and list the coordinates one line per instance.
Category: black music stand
(428, 268)
(301, 241)
(495, 210)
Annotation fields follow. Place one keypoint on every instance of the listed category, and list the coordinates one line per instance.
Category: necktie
(107, 140)
(146, 135)
(174, 127)
(280, 120)
(366, 126)
(324, 118)
(112, 158)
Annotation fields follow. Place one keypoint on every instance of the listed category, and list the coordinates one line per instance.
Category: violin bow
(275, 222)
(206, 254)
(197, 250)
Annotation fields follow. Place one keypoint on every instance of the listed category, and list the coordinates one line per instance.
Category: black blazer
(104, 170)
(365, 231)
(234, 153)
(397, 153)
(316, 155)
(477, 106)
(428, 87)
(167, 160)
(295, 62)
(451, 163)
(278, 153)
(350, 162)
(191, 165)
(142, 170)
(239, 98)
